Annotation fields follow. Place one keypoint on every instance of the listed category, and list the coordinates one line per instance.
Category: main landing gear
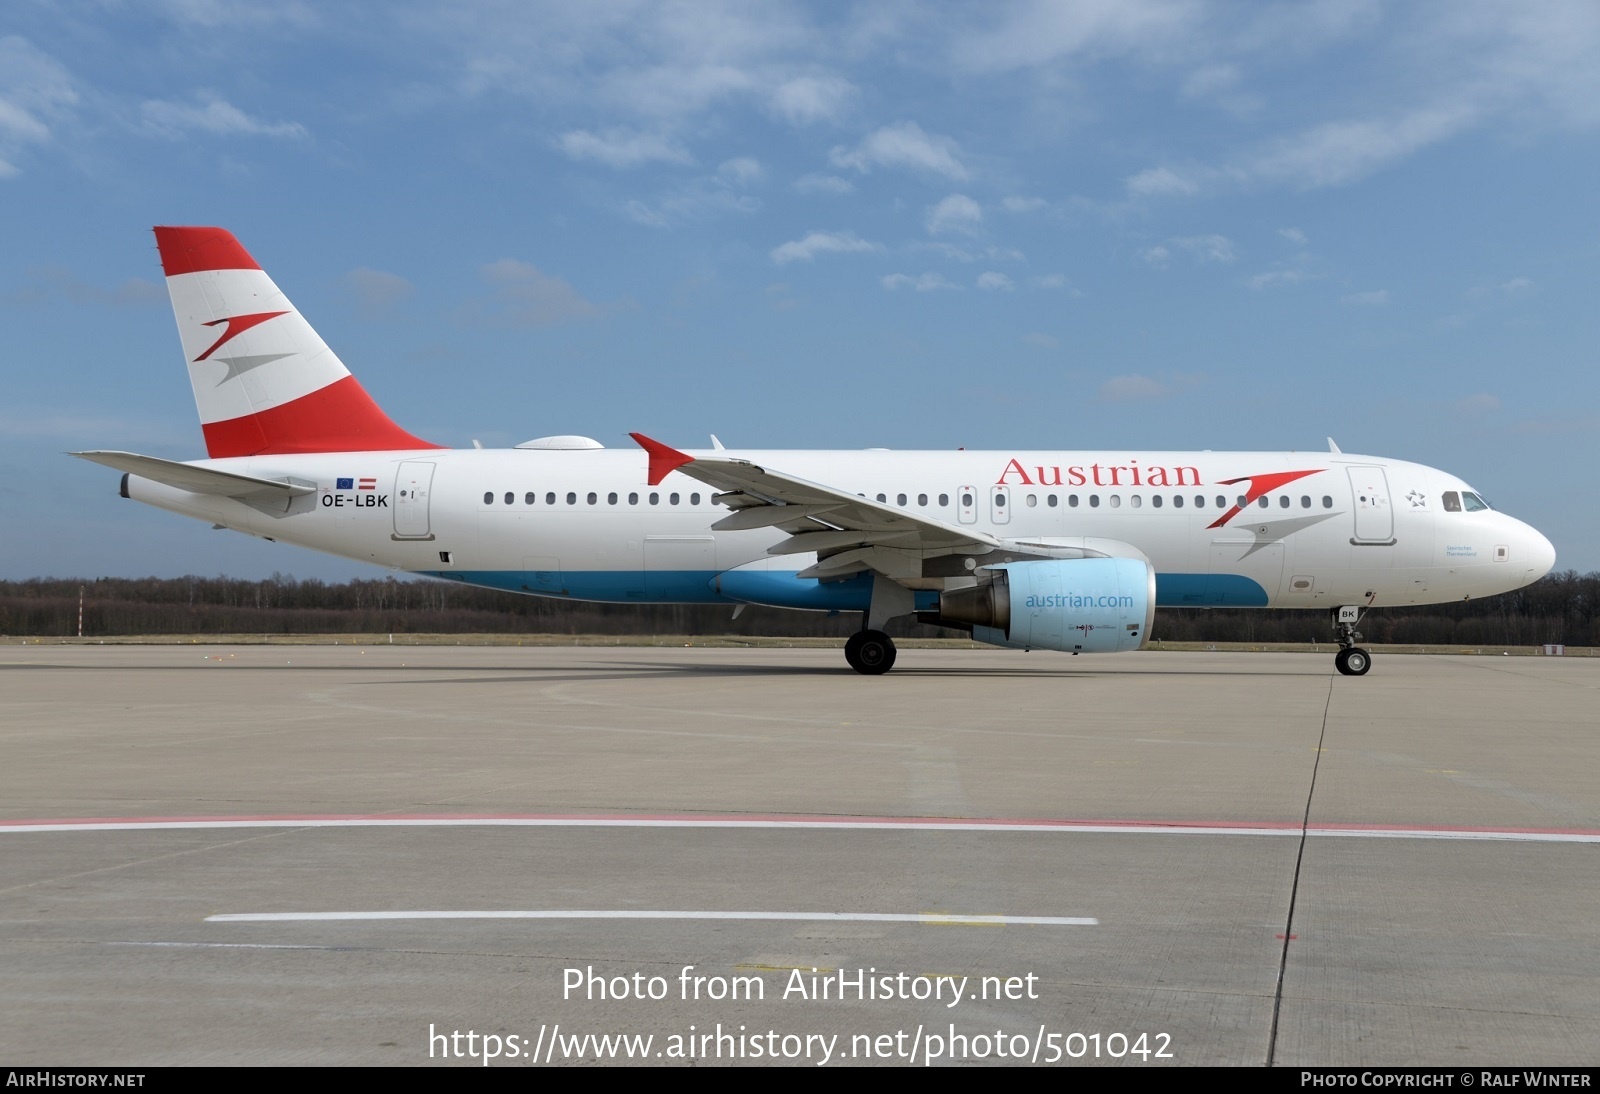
(870, 653)
(1351, 660)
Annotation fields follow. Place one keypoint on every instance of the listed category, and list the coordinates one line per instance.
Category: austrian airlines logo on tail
(237, 325)
(1260, 485)
(301, 398)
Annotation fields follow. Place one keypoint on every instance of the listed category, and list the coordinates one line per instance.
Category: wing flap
(750, 512)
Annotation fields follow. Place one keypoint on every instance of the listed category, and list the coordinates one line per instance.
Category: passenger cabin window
(900, 499)
(1177, 501)
(1094, 501)
(1155, 500)
(1327, 501)
(694, 499)
(1452, 502)
(944, 499)
(488, 497)
(611, 499)
(510, 497)
(572, 498)
(922, 499)
(529, 498)
(633, 499)
(1052, 501)
(1033, 500)
(550, 498)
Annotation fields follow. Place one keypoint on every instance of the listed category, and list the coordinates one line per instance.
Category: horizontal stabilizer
(196, 480)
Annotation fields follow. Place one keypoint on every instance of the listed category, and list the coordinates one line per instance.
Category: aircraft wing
(848, 533)
(197, 480)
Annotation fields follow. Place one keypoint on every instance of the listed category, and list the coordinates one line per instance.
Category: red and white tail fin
(264, 381)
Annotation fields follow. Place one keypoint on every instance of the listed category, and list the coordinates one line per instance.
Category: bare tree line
(1559, 608)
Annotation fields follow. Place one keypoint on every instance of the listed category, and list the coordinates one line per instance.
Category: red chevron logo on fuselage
(237, 325)
(1260, 485)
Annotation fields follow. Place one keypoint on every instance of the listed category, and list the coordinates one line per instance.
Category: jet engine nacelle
(1084, 605)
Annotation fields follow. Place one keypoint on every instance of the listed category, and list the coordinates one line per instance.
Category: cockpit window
(1471, 502)
(1452, 502)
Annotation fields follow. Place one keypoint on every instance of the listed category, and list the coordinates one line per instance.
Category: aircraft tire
(1354, 661)
(870, 653)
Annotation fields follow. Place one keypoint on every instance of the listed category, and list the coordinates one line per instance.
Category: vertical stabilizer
(264, 381)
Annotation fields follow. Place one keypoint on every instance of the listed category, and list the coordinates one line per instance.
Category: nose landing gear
(1351, 660)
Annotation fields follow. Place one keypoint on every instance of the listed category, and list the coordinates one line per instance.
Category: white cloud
(640, 213)
(810, 99)
(210, 114)
(376, 293)
(996, 281)
(1219, 85)
(232, 14)
(48, 283)
(956, 213)
(694, 200)
(906, 145)
(967, 254)
(1044, 35)
(1210, 80)
(524, 296)
(1211, 248)
(1203, 249)
(741, 171)
(823, 184)
(622, 148)
(1374, 298)
(1274, 278)
(16, 124)
(1128, 388)
(1055, 281)
(35, 92)
(1518, 286)
(815, 243)
(1021, 204)
(1043, 341)
(1480, 403)
(1337, 153)
(1159, 182)
(928, 282)
(1293, 235)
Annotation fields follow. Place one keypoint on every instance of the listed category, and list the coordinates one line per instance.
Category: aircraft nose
(1540, 553)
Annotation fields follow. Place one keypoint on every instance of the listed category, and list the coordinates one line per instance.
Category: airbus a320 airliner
(1069, 551)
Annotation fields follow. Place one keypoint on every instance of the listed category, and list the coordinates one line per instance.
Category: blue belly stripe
(784, 590)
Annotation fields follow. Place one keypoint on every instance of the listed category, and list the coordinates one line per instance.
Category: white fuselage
(585, 524)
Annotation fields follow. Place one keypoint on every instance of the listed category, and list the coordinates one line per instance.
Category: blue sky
(1122, 224)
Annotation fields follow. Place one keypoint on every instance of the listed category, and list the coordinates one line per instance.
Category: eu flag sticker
(345, 484)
